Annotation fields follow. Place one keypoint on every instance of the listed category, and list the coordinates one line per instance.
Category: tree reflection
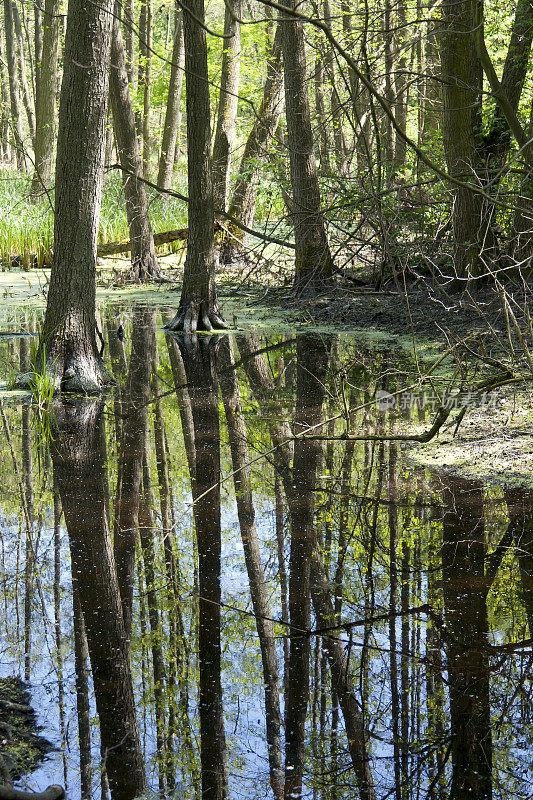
(79, 469)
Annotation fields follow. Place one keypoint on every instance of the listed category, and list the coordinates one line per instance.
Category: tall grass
(27, 228)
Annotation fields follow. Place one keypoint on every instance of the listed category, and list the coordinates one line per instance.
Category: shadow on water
(208, 601)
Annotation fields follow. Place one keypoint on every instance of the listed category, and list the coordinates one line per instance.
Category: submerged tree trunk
(313, 258)
(79, 469)
(67, 348)
(173, 114)
(227, 104)
(198, 308)
(143, 256)
(46, 94)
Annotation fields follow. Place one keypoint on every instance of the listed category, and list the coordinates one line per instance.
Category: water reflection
(265, 613)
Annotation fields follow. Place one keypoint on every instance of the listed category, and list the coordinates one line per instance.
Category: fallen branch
(54, 792)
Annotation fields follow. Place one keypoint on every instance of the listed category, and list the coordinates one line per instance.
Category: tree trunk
(46, 100)
(14, 92)
(26, 94)
(227, 104)
(143, 256)
(313, 257)
(83, 709)
(79, 467)
(173, 114)
(67, 347)
(198, 309)
(257, 145)
(459, 118)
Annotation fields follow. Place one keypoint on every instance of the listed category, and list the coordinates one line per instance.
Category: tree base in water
(194, 316)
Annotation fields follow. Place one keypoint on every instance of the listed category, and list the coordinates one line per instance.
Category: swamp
(266, 370)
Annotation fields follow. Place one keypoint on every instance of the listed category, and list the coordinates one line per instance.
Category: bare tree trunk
(143, 256)
(312, 363)
(67, 347)
(465, 594)
(198, 309)
(313, 257)
(173, 113)
(258, 144)
(14, 92)
(46, 95)
(227, 104)
(26, 94)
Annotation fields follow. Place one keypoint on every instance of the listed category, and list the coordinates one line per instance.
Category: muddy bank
(22, 747)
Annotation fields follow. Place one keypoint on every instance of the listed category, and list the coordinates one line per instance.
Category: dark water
(328, 615)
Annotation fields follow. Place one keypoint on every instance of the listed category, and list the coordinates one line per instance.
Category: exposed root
(194, 316)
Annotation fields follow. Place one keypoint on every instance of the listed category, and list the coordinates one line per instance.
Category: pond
(232, 543)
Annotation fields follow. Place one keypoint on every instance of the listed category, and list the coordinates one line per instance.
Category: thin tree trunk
(134, 426)
(227, 104)
(14, 92)
(46, 100)
(173, 113)
(143, 256)
(258, 143)
(26, 94)
(313, 257)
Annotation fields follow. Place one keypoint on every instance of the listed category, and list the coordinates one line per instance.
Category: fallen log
(54, 792)
(112, 248)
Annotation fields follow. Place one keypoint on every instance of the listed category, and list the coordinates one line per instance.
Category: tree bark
(459, 119)
(46, 100)
(198, 308)
(227, 104)
(313, 257)
(14, 92)
(67, 348)
(26, 94)
(312, 364)
(144, 263)
(173, 114)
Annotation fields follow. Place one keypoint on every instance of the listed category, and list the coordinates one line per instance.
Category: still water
(213, 591)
